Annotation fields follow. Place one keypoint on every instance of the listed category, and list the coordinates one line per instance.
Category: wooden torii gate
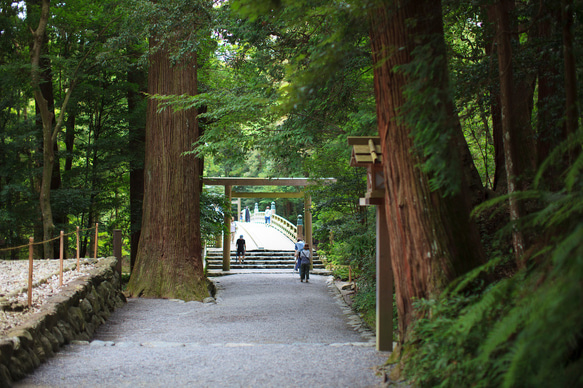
(228, 183)
(366, 152)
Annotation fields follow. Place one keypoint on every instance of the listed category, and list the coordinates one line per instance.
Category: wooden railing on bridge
(285, 227)
(279, 223)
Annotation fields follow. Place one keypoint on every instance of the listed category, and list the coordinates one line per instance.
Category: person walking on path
(241, 247)
(298, 248)
(267, 216)
(247, 214)
(304, 258)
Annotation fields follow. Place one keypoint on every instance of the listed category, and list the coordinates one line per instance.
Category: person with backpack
(298, 248)
(304, 259)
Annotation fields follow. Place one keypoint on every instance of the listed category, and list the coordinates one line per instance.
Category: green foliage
(213, 208)
(426, 112)
(521, 331)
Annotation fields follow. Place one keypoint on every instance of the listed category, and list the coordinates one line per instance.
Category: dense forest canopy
(478, 105)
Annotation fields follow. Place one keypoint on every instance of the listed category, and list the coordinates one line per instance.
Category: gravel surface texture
(45, 282)
(265, 330)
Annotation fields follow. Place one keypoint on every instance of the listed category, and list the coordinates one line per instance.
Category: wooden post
(366, 152)
(384, 319)
(30, 251)
(241, 219)
(117, 251)
(308, 225)
(61, 248)
(96, 239)
(78, 260)
(227, 234)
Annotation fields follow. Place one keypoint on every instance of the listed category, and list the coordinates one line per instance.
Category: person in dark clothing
(241, 247)
(304, 258)
(247, 214)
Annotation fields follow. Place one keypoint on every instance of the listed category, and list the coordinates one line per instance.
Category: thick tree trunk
(137, 136)
(572, 112)
(432, 239)
(47, 125)
(169, 261)
(499, 185)
(551, 128)
(516, 163)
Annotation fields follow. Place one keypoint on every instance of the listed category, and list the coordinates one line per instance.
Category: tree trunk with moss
(169, 259)
(432, 239)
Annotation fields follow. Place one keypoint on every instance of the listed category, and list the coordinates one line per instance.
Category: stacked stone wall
(71, 315)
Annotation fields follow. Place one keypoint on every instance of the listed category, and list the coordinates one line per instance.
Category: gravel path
(266, 330)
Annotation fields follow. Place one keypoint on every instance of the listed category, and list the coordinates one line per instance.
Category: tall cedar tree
(432, 239)
(169, 259)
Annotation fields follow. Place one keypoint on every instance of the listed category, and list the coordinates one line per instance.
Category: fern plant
(521, 331)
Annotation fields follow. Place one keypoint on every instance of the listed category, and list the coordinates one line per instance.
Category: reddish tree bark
(169, 259)
(432, 239)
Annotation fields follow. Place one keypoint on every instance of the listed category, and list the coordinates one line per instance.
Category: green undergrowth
(523, 330)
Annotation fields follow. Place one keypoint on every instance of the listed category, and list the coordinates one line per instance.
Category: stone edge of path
(71, 315)
(353, 319)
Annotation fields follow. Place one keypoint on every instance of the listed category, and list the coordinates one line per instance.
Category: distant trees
(72, 120)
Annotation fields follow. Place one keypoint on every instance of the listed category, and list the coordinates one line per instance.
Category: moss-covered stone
(66, 330)
(17, 370)
(58, 335)
(52, 339)
(76, 319)
(87, 308)
(5, 378)
(6, 350)
(22, 338)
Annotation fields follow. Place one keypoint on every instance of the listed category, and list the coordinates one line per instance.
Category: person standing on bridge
(267, 216)
(247, 214)
(304, 258)
(241, 248)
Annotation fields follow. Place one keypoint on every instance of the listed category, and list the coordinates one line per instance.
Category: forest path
(265, 330)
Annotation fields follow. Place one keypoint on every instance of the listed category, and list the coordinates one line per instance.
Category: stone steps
(258, 259)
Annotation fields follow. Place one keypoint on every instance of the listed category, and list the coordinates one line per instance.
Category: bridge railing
(281, 224)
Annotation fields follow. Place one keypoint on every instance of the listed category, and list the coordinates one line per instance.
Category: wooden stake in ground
(78, 265)
(30, 250)
(61, 258)
(96, 239)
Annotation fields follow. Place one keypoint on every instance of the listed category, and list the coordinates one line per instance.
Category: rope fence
(61, 239)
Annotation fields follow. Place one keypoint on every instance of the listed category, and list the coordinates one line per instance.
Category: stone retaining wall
(72, 315)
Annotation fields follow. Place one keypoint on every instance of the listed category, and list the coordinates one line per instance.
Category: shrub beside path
(265, 330)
